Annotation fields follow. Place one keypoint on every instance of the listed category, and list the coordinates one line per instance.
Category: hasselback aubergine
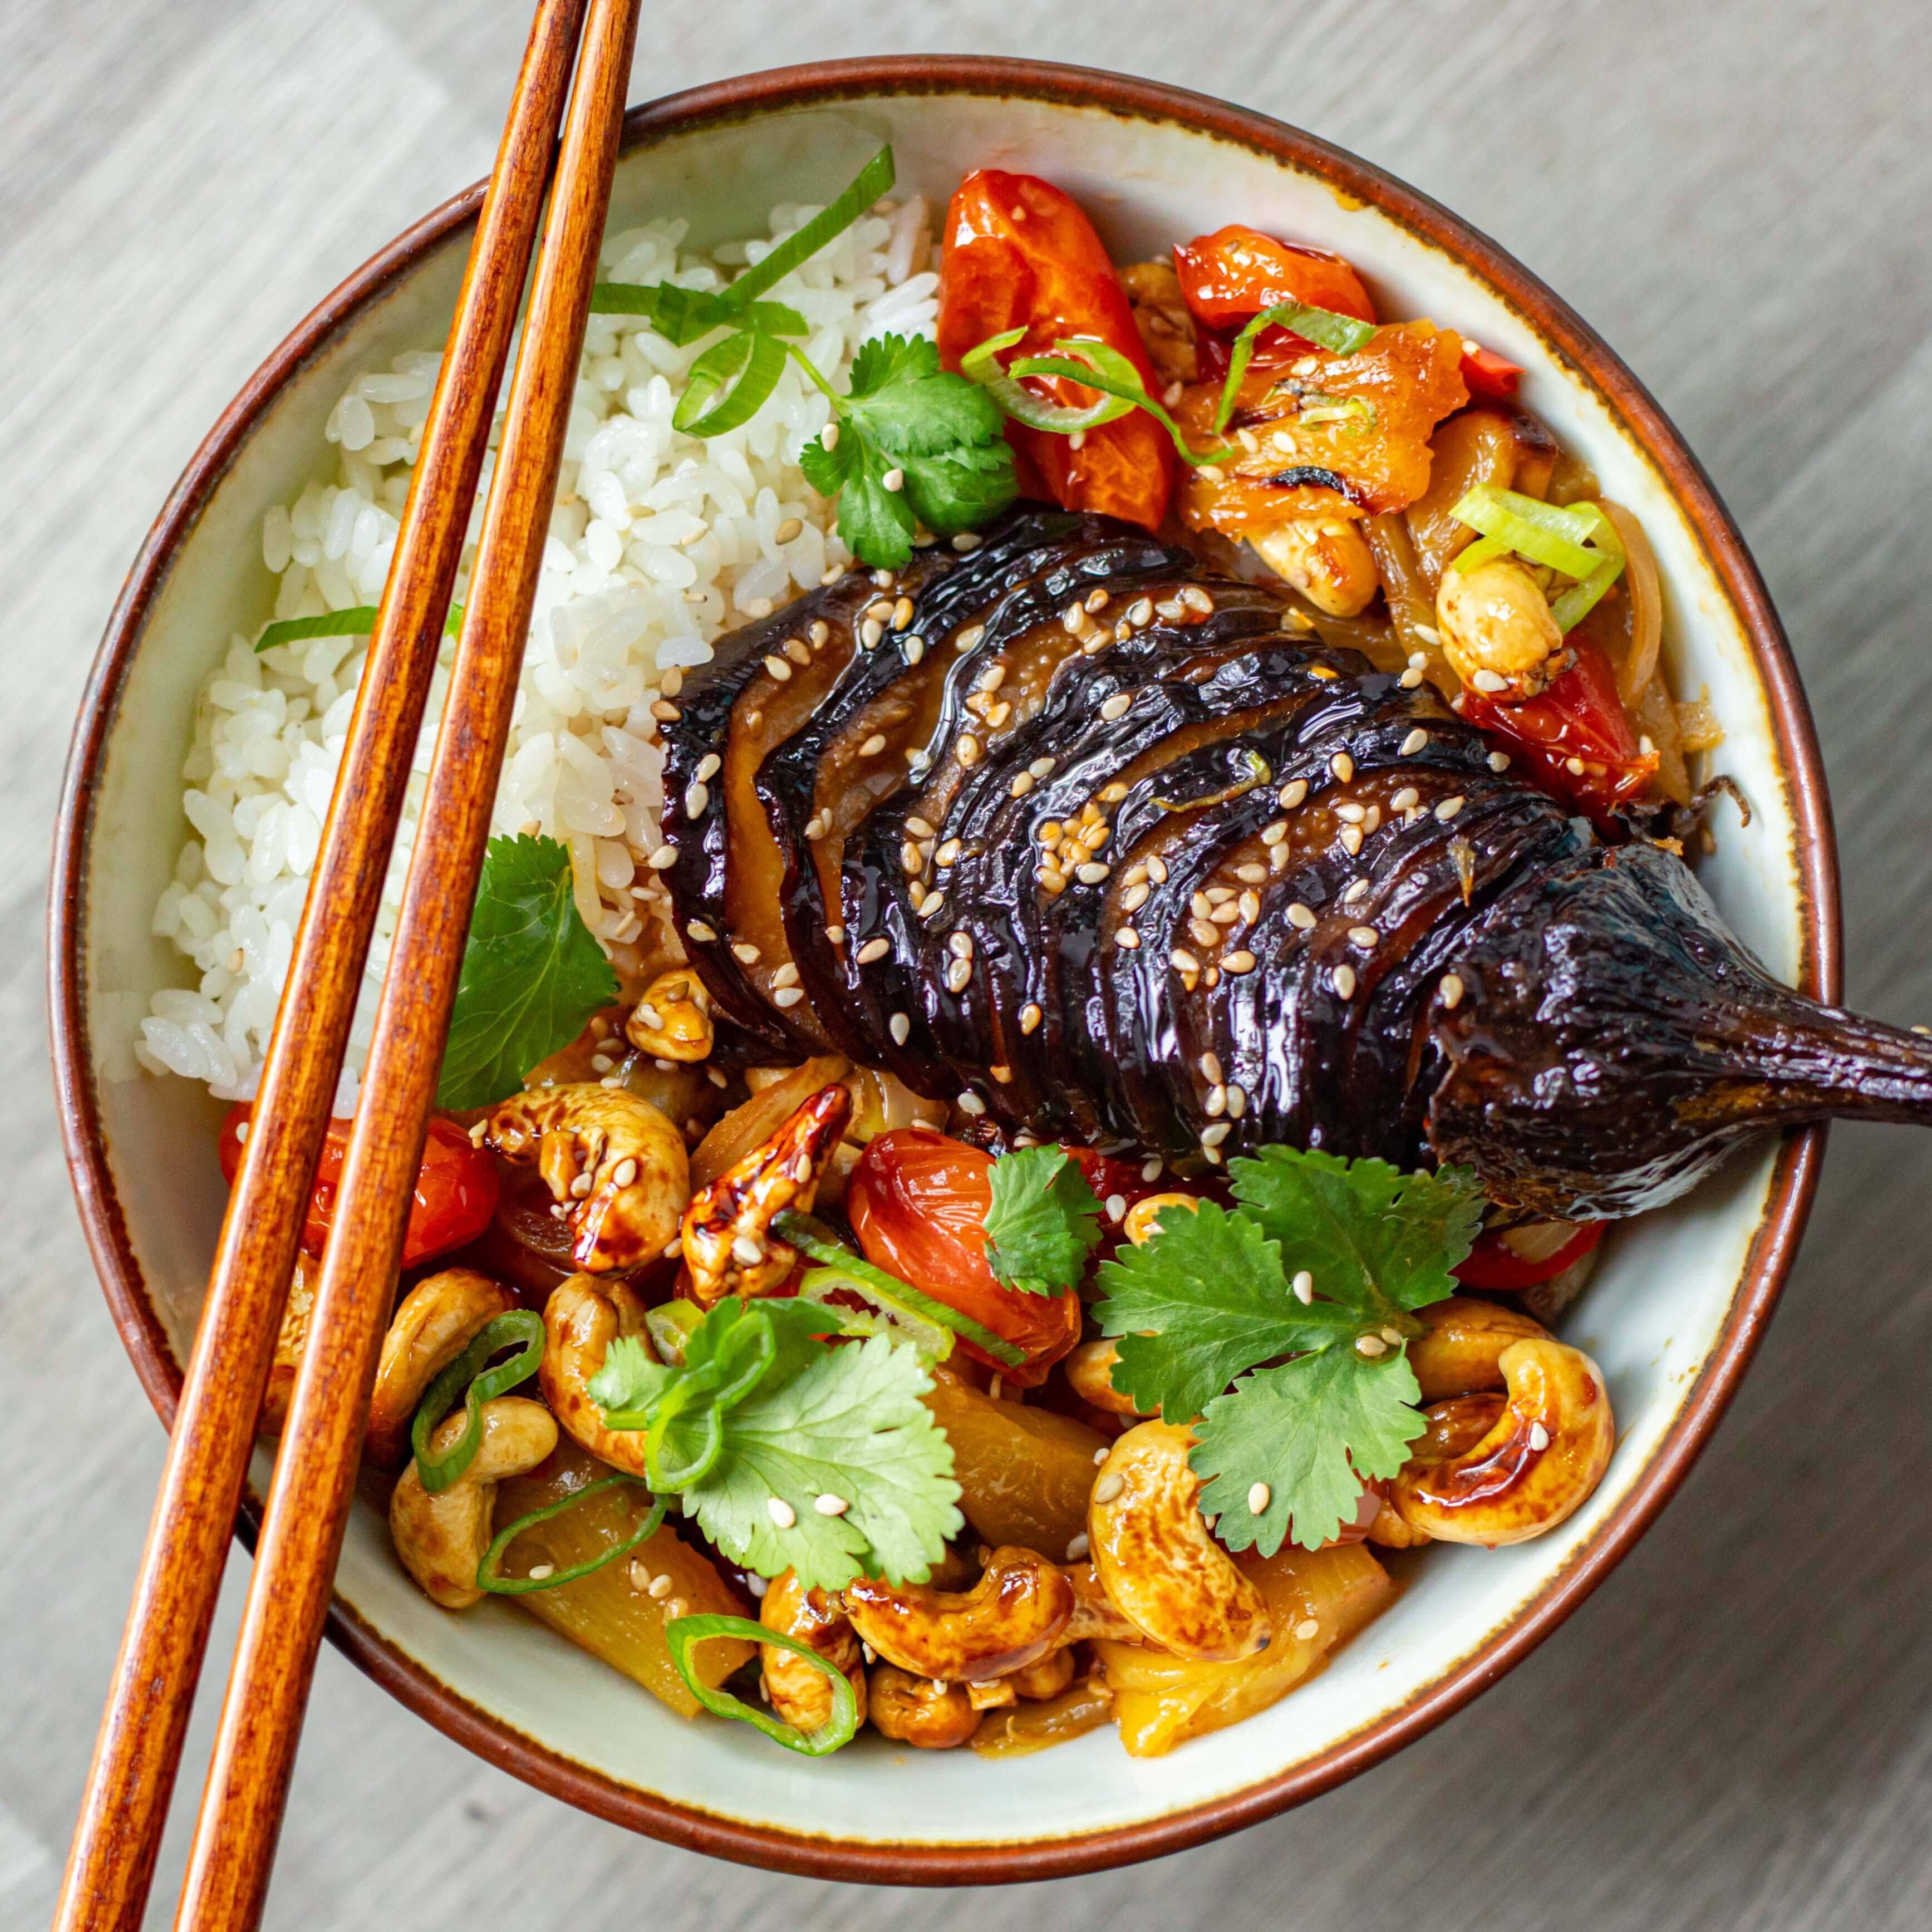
(1103, 845)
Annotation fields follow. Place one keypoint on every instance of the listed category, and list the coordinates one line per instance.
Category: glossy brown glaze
(1578, 348)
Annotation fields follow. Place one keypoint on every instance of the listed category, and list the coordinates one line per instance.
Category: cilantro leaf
(1311, 1429)
(961, 489)
(1043, 1222)
(906, 404)
(1375, 1240)
(1204, 1299)
(628, 1379)
(531, 974)
(850, 1424)
(877, 524)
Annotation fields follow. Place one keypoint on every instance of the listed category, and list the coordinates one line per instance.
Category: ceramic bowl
(1676, 1309)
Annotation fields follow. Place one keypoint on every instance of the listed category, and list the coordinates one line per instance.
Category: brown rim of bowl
(1794, 1178)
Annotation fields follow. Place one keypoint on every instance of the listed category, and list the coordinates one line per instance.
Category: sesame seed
(947, 852)
(1096, 600)
(539, 1572)
(1539, 1440)
(1356, 889)
(1393, 1337)
(786, 975)
(660, 1587)
(1574, 766)
(1111, 1484)
(969, 637)
(1197, 599)
(873, 746)
(1128, 938)
(1370, 1346)
(698, 930)
(914, 648)
(1134, 898)
(1238, 962)
(1150, 1167)
(1300, 917)
(1351, 813)
(665, 712)
(894, 480)
(972, 1104)
(902, 614)
(1411, 679)
(776, 667)
(1405, 800)
(1140, 613)
(798, 650)
(697, 798)
(1364, 935)
(1077, 1550)
(966, 542)
(1449, 807)
(957, 974)
(1325, 673)
(816, 827)
(1343, 766)
(1251, 875)
(1117, 1206)
(1093, 871)
(1003, 1075)
(1308, 1629)
(1216, 1104)
(1183, 962)
(1169, 608)
(1237, 1101)
(870, 632)
(1413, 742)
(1074, 619)
(1209, 1064)
(1259, 1494)
(967, 751)
(959, 944)
(781, 1512)
(1030, 1016)
(836, 934)
(1248, 905)
(1304, 1285)
(912, 860)
(747, 1249)
(1212, 1137)
(1351, 839)
(1489, 681)
(663, 859)
(873, 949)
(828, 437)
(1157, 871)
(1450, 992)
(1343, 980)
(900, 1027)
(1022, 784)
(828, 1504)
(1293, 793)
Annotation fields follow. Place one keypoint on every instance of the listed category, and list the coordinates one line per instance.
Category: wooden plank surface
(1737, 1731)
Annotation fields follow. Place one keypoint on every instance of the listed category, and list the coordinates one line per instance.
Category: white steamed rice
(659, 543)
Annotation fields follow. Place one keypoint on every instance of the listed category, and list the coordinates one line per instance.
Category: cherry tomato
(455, 1191)
(917, 1201)
(1578, 720)
(1519, 1258)
(1229, 276)
(1019, 253)
(1487, 375)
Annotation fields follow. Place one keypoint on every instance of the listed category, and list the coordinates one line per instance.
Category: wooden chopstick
(110, 1867)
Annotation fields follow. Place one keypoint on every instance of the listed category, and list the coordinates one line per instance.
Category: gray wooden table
(1737, 1730)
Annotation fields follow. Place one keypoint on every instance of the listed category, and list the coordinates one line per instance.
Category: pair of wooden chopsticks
(111, 1866)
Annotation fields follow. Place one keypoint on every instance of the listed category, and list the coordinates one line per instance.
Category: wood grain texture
(1737, 1730)
(123, 1808)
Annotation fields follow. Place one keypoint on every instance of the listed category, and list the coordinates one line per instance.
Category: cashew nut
(1497, 631)
(800, 1694)
(1089, 1371)
(916, 1711)
(1464, 1340)
(1155, 1559)
(1546, 1449)
(1009, 1619)
(582, 1318)
(1143, 1218)
(1047, 1678)
(729, 1248)
(673, 1021)
(612, 1160)
(1327, 558)
(1094, 1615)
(291, 1339)
(1162, 316)
(437, 1320)
(443, 1538)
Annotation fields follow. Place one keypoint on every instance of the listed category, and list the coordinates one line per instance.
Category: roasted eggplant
(1098, 844)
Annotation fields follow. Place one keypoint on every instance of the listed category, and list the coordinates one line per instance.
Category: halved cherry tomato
(1518, 1258)
(1020, 254)
(1579, 722)
(917, 1201)
(455, 1191)
(1229, 276)
(1488, 375)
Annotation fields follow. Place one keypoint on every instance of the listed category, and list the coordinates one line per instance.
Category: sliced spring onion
(1259, 773)
(1341, 333)
(468, 1378)
(1540, 531)
(1575, 603)
(683, 1634)
(358, 621)
(891, 1315)
(875, 179)
(978, 365)
(816, 1241)
(487, 1576)
(1103, 367)
(670, 1327)
(742, 370)
(682, 315)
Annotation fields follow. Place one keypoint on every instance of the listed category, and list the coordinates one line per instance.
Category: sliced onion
(1646, 599)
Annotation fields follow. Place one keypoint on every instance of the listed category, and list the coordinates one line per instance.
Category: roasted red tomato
(1578, 739)
(1229, 276)
(455, 1193)
(1020, 254)
(1487, 375)
(1514, 1258)
(917, 1201)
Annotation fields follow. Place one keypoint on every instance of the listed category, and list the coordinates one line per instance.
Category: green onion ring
(746, 366)
(1341, 333)
(358, 621)
(816, 1242)
(486, 1577)
(875, 179)
(466, 1374)
(978, 365)
(1106, 369)
(891, 1316)
(1575, 603)
(684, 1633)
(1557, 538)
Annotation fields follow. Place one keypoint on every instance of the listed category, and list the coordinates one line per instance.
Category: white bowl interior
(1652, 1318)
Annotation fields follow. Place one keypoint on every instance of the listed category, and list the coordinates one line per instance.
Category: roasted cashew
(1155, 1559)
(1497, 631)
(443, 1538)
(1388, 1530)
(1464, 1340)
(796, 1692)
(1046, 1678)
(1327, 558)
(1162, 316)
(673, 1021)
(1143, 1219)
(582, 1318)
(1089, 1370)
(1094, 1615)
(1009, 1619)
(291, 1339)
(729, 1248)
(614, 1159)
(916, 1711)
(1545, 1452)
(437, 1320)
